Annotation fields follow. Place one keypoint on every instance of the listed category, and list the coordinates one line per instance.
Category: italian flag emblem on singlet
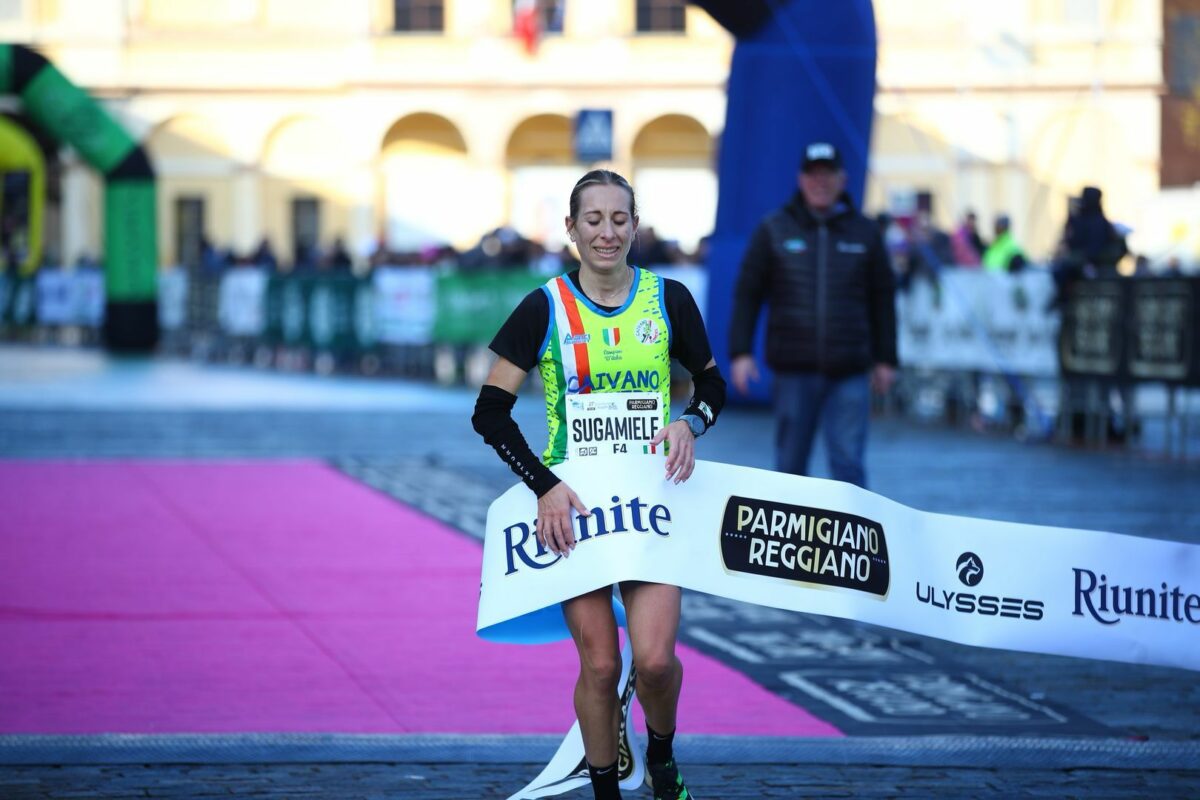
(612, 336)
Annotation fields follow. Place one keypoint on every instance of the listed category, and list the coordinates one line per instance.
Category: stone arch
(673, 173)
(308, 187)
(194, 164)
(542, 170)
(426, 177)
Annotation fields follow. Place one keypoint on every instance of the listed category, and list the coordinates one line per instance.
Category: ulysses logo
(970, 573)
(1107, 603)
(809, 545)
(521, 543)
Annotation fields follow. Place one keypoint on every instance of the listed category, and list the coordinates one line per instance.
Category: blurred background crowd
(422, 147)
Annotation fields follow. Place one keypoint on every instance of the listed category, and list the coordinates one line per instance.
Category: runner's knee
(602, 672)
(656, 671)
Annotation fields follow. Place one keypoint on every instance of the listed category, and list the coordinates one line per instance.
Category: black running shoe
(664, 780)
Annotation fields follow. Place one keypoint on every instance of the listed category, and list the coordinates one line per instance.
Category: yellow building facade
(308, 120)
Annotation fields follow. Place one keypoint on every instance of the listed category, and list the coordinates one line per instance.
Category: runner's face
(604, 228)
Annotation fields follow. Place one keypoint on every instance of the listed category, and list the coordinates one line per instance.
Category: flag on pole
(527, 23)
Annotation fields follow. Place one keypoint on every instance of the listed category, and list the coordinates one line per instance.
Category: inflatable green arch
(71, 116)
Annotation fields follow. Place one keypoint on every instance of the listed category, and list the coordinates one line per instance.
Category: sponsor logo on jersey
(647, 331)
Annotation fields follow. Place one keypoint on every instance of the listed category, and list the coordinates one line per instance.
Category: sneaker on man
(665, 781)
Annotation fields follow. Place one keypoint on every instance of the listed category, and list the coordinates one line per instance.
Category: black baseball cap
(820, 153)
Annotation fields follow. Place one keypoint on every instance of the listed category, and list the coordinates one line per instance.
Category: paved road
(415, 443)
(459, 781)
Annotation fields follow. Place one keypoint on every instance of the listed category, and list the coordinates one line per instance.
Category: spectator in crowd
(967, 244)
(649, 250)
(339, 257)
(213, 260)
(821, 268)
(543, 262)
(703, 248)
(1092, 246)
(1004, 254)
(929, 248)
(1173, 268)
(264, 256)
(1093, 243)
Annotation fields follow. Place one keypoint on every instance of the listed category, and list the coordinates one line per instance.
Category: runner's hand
(882, 378)
(681, 450)
(742, 370)
(554, 529)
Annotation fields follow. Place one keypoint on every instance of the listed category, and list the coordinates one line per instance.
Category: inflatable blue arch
(802, 70)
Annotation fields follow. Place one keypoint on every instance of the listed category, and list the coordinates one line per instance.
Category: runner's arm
(493, 421)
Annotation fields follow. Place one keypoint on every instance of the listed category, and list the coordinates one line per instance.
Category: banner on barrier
(70, 297)
(471, 307)
(972, 320)
(241, 303)
(405, 304)
(1136, 330)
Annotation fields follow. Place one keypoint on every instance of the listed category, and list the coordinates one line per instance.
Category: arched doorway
(426, 184)
(674, 178)
(308, 189)
(542, 171)
(195, 201)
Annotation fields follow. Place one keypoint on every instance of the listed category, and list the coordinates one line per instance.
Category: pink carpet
(143, 597)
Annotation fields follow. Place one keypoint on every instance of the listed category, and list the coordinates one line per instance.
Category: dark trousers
(840, 406)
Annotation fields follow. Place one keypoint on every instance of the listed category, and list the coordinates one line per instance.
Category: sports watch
(695, 423)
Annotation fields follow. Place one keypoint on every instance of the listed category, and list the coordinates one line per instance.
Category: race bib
(605, 423)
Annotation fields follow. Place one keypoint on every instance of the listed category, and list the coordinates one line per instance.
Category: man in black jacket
(822, 270)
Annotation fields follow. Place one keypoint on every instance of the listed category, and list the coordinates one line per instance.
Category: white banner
(973, 320)
(172, 298)
(826, 547)
(830, 548)
(405, 303)
(568, 770)
(70, 297)
(242, 301)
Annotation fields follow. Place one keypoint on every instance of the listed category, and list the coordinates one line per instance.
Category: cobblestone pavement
(416, 781)
(427, 456)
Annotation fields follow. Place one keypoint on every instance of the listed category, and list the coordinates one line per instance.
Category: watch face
(696, 425)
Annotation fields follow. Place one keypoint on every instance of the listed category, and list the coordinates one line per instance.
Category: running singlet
(607, 374)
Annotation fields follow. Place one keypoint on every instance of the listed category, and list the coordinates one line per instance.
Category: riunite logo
(1107, 603)
(522, 547)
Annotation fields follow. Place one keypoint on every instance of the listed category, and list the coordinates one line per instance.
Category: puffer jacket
(828, 287)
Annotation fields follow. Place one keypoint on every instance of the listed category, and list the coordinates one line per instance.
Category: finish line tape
(825, 547)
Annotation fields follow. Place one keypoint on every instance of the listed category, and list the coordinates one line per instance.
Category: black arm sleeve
(493, 421)
(883, 304)
(708, 395)
(749, 291)
(690, 346)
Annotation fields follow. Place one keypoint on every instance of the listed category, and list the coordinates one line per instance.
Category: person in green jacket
(1004, 254)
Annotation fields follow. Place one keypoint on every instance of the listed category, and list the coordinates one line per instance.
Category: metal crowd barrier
(977, 349)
